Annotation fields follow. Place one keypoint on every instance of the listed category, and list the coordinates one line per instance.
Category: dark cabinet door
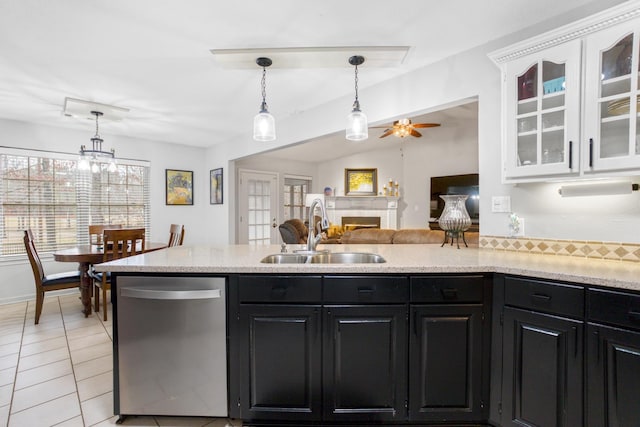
(446, 355)
(542, 370)
(613, 372)
(280, 356)
(365, 354)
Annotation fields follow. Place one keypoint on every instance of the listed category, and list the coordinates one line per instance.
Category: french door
(257, 207)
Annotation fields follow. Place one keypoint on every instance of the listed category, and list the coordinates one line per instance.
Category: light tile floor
(59, 372)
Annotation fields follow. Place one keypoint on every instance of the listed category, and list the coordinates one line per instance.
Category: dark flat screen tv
(455, 184)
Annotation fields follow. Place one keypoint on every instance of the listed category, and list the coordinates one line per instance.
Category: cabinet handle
(575, 341)
(450, 293)
(366, 291)
(415, 323)
(634, 315)
(597, 335)
(590, 152)
(540, 298)
(570, 154)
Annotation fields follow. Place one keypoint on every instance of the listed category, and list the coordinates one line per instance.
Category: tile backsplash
(579, 248)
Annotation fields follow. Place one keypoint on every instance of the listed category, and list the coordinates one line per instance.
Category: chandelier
(93, 158)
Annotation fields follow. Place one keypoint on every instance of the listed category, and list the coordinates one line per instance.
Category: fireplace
(355, 222)
(374, 211)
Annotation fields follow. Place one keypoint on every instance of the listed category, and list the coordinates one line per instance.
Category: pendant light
(357, 127)
(264, 126)
(89, 159)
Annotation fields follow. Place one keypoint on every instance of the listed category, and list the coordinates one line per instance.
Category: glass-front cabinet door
(543, 112)
(612, 126)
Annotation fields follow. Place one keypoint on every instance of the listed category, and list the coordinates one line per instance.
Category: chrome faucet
(312, 239)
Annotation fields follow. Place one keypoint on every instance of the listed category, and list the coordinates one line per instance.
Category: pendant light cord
(97, 133)
(264, 90)
(356, 82)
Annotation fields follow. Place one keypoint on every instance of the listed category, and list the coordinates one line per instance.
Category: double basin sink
(324, 258)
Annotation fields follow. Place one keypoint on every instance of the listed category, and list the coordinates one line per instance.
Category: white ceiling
(154, 57)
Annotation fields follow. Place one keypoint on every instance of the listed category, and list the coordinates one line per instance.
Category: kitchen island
(432, 335)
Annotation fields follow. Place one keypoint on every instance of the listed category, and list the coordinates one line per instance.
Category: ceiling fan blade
(425, 125)
(415, 133)
(380, 127)
(386, 133)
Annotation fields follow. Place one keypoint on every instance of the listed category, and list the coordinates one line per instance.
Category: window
(295, 192)
(44, 191)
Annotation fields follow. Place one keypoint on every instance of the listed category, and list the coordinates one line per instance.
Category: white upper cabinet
(570, 99)
(611, 126)
(542, 112)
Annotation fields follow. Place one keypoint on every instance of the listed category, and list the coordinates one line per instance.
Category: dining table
(85, 256)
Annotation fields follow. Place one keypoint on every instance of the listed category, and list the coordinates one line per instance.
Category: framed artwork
(215, 181)
(179, 187)
(360, 182)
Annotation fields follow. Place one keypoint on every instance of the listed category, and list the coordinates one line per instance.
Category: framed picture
(179, 187)
(215, 192)
(360, 182)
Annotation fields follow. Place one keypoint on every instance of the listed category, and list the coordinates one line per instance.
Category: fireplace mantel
(385, 207)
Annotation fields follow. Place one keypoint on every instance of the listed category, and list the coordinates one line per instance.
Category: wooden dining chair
(176, 235)
(118, 243)
(96, 231)
(45, 283)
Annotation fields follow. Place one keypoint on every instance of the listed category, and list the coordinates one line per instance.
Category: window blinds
(44, 191)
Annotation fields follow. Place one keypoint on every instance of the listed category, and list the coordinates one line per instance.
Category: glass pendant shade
(357, 126)
(264, 126)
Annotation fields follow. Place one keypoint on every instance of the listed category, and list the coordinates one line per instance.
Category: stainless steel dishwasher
(170, 341)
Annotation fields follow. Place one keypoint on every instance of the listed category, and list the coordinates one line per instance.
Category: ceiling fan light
(264, 126)
(357, 127)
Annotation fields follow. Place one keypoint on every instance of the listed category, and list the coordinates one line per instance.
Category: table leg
(85, 288)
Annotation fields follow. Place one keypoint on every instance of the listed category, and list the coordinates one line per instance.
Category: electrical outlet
(520, 232)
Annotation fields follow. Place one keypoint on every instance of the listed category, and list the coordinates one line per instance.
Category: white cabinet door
(542, 113)
(611, 125)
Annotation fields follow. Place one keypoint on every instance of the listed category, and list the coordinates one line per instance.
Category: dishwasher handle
(146, 293)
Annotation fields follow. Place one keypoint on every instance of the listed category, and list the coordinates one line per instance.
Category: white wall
(16, 275)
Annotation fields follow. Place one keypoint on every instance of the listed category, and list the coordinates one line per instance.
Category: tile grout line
(73, 369)
(15, 374)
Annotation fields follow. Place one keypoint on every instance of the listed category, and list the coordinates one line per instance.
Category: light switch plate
(501, 204)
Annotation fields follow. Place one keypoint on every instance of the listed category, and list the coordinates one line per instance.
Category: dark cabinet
(613, 359)
(448, 357)
(542, 371)
(359, 349)
(542, 353)
(365, 353)
(281, 361)
(446, 363)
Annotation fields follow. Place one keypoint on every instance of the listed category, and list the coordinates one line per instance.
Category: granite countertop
(400, 259)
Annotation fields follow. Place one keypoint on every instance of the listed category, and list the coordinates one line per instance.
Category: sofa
(402, 236)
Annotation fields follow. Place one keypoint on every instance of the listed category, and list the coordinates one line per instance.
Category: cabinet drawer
(617, 308)
(443, 289)
(366, 289)
(549, 297)
(280, 289)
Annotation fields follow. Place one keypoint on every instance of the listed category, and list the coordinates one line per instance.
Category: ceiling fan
(404, 127)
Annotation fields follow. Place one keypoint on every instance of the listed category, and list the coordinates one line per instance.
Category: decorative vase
(455, 219)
